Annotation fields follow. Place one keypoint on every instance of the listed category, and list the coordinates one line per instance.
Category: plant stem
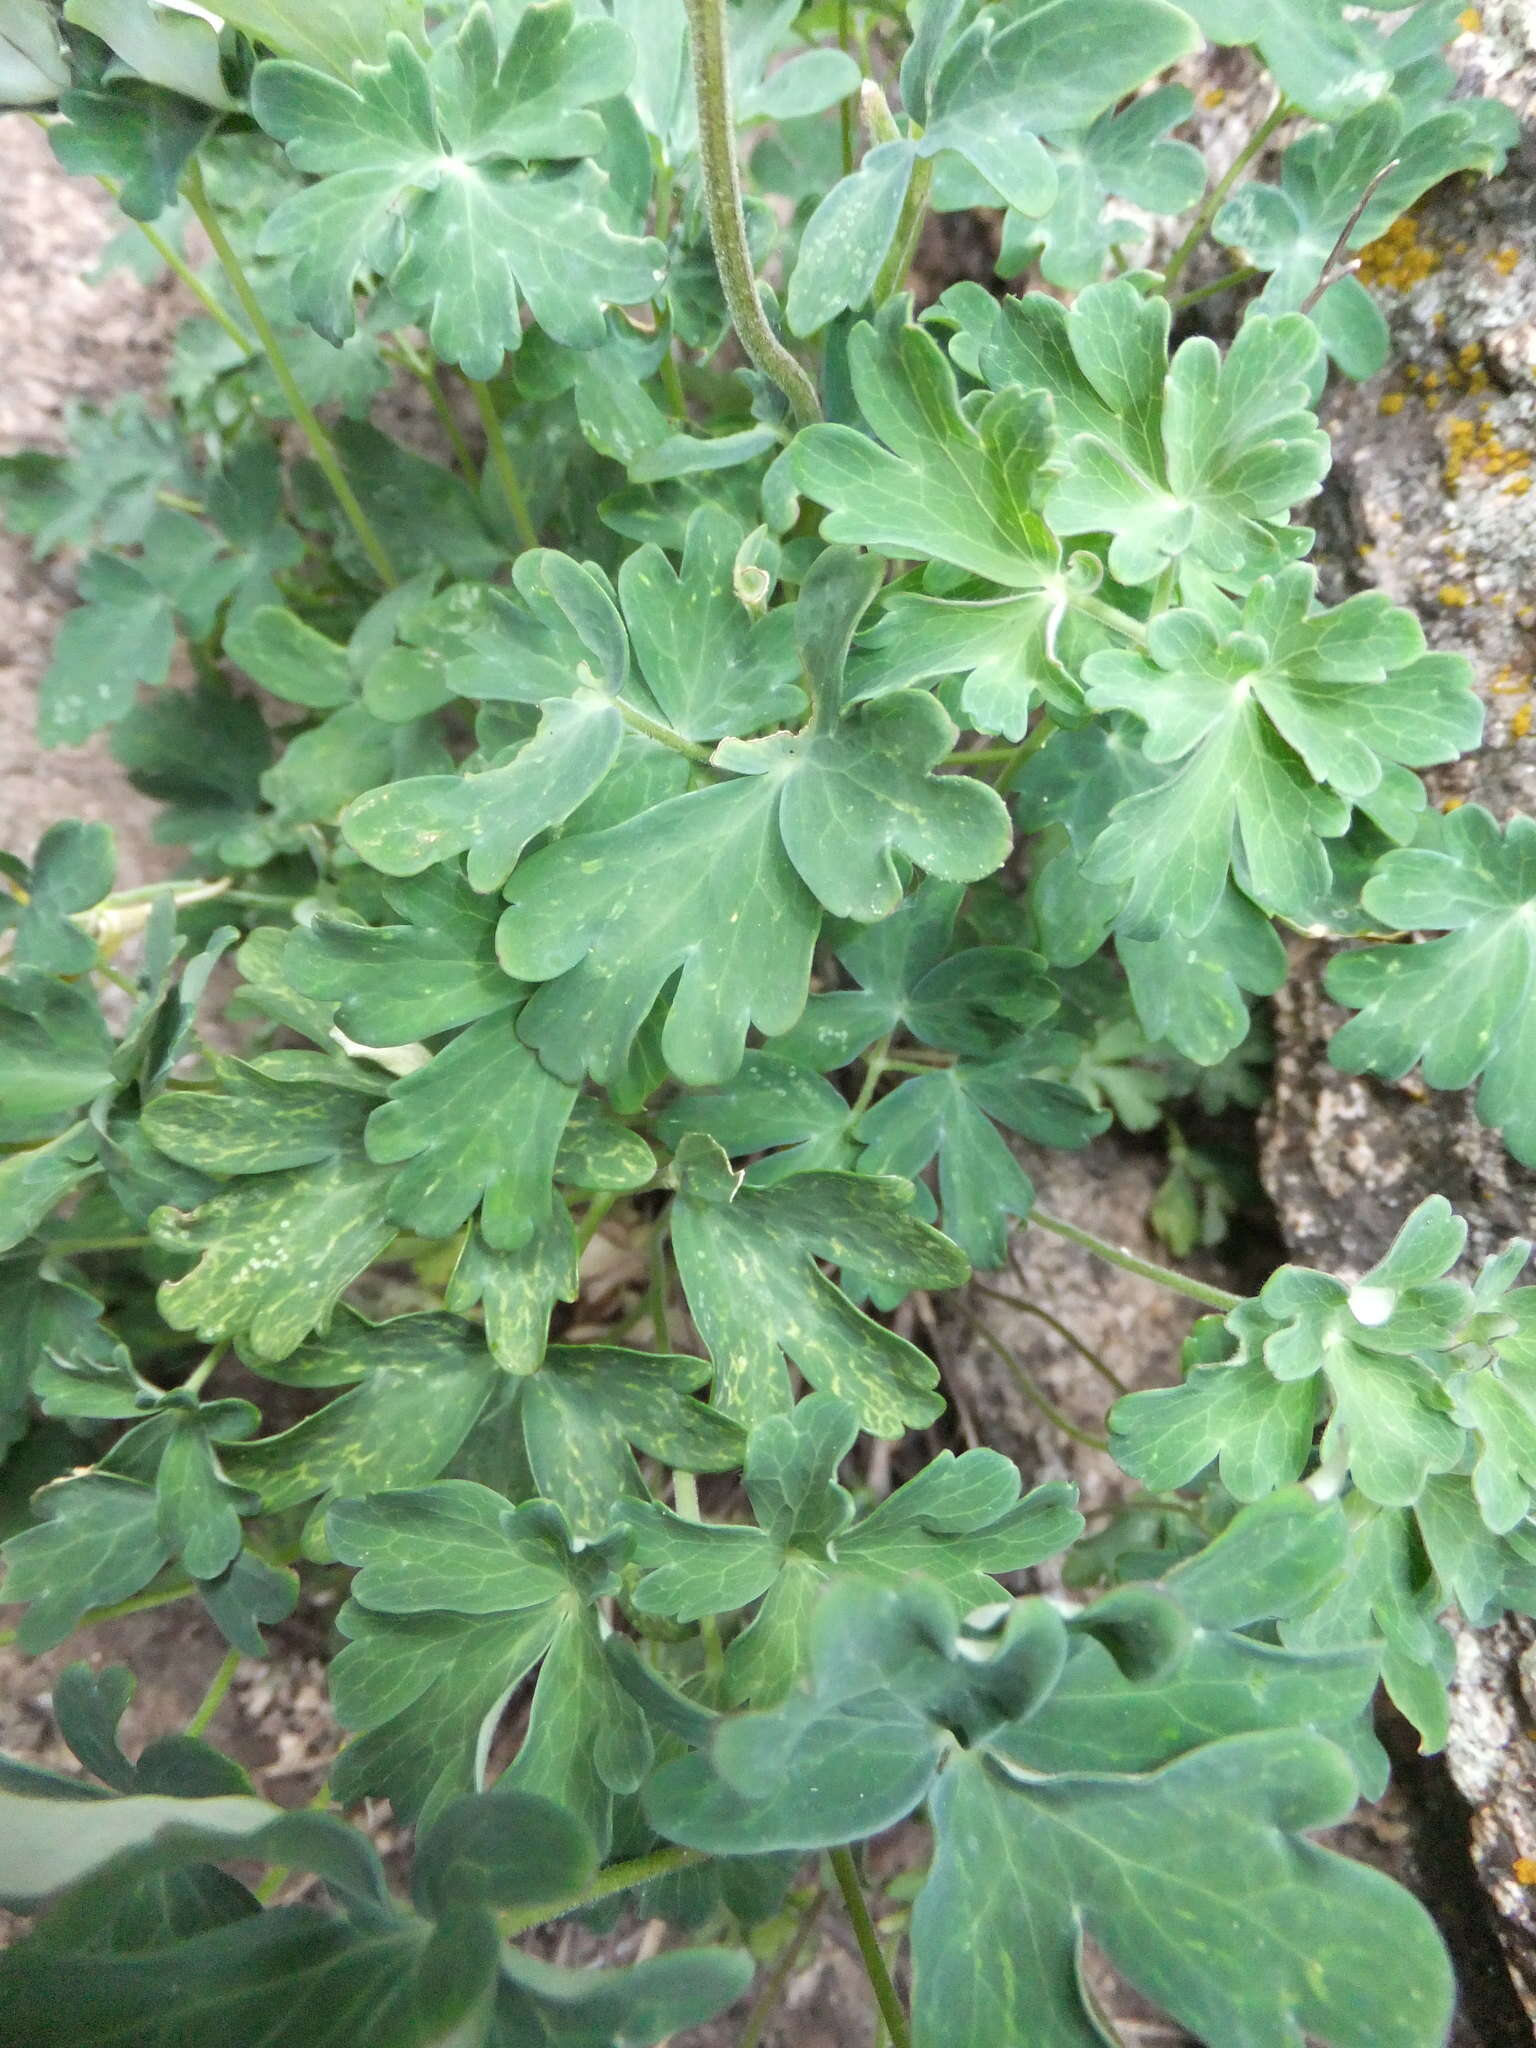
(425, 373)
(213, 1699)
(1228, 283)
(875, 1063)
(727, 224)
(1027, 748)
(766, 2002)
(1110, 615)
(1144, 1269)
(638, 722)
(1024, 1380)
(597, 1209)
(303, 412)
(685, 1499)
(1033, 1308)
(977, 757)
(656, 1293)
(499, 455)
(892, 274)
(845, 1870)
(619, 1877)
(845, 108)
(1212, 203)
(195, 1382)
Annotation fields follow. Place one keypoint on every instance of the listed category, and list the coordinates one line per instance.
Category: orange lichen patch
(1454, 594)
(1392, 402)
(1213, 96)
(1520, 724)
(1470, 20)
(1508, 682)
(1504, 260)
(1453, 803)
(1525, 1869)
(1398, 259)
(1473, 447)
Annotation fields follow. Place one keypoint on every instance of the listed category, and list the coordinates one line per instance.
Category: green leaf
(586, 920)
(950, 485)
(426, 177)
(331, 34)
(458, 1598)
(747, 1258)
(1273, 1938)
(492, 814)
(121, 636)
(1278, 726)
(135, 133)
(770, 1103)
(55, 1054)
(711, 666)
(417, 1385)
(399, 982)
(959, 1522)
(1324, 64)
(97, 1541)
(981, 1184)
(479, 1127)
(276, 1250)
(178, 51)
(518, 1289)
(847, 238)
(1478, 887)
(34, 64)
(1123, 154)
(71, 871)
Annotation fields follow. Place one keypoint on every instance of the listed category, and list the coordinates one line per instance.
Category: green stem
(977, 757)
(1026, 750)
(591, 1223)
(1092, 607)
(892, 274)
(213, 1699)
(1228, 283)
(663, 734)
(1033, 1308)
(1212, 203)
(618, 1877)
(1144, 1269)
(845, 108)
(766, 2003)
(727, 224)
(845, 1870)
(425, 373)
(499, 455)
(303, 412)
(1024, 1380)
(875, 1063)
(656, 1293)
(196, 1381)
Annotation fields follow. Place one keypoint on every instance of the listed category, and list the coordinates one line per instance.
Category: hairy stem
(845, 1870)
(663, 734)
(618, 1877)
(1090, 607)
(499, 456)
(727, 223)
(766, 2003)
(1228, 283)
(213, 1698)
(1213, 199)
(892, 274)
(1144, 1269)
(303, 412)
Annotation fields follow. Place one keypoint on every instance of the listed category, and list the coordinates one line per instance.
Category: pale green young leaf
(1478, 886)
(950, 485)
(1322, 62)
(1279, 724)
(333, 34)
(428, 176)
(34, 65)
